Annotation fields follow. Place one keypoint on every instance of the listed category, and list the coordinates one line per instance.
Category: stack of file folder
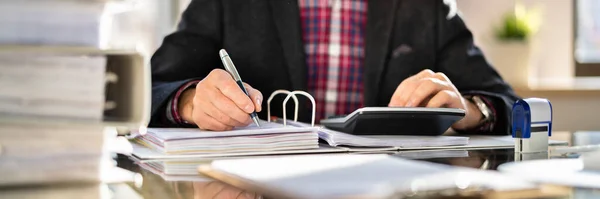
(52, 85)
(43, 152)
(268, 137)
(60, 92)
(55, 105)
(51, 22)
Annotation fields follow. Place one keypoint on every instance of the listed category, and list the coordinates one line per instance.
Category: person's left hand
(435, 90)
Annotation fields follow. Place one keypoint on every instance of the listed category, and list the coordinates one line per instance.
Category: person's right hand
(218, 103)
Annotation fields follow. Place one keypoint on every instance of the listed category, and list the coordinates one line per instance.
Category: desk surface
(153, 186)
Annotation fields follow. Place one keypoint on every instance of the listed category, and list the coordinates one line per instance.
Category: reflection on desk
(488, 159)
(156, 187)
(153, 186)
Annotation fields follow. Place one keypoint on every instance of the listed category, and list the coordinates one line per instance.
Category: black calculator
(396, 121)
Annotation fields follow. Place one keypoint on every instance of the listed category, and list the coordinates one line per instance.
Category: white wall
(574, 109)
(554, 40)
(144, 25)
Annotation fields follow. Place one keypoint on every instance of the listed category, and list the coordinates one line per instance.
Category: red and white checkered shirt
(333, 33)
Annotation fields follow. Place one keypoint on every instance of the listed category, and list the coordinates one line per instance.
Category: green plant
(518, 25)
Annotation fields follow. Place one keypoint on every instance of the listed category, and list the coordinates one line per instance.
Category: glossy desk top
(154, 186)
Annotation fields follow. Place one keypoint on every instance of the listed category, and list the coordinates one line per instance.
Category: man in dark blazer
(347, 53)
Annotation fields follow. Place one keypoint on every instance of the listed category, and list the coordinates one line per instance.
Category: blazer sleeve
(465, 65)
(188, 54)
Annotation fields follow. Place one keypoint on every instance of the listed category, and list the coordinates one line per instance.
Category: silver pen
(231, 69)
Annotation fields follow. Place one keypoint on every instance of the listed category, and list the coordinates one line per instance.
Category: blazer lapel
(286, 15)
(380, 20)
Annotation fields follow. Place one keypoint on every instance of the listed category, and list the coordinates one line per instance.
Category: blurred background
(544, 48)
(559, 59)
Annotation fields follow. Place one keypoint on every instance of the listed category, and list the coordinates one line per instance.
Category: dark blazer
(264, 39)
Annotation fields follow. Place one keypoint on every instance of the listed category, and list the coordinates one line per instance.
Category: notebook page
(420, 141)
(338, 138)
(193, 133)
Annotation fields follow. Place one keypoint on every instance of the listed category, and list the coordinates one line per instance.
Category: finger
(443, 77)
(442, 99)
(205, 122)
(211, 110)
(397, 98)
(403, 91)
(256, 97)
(424, 73)
(226, 85)
(228, 107)
(427, 87)
(403, 94)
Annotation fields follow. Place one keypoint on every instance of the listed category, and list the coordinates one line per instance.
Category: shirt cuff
(173, 104)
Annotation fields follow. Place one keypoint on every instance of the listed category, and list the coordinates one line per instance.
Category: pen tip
(256, 121)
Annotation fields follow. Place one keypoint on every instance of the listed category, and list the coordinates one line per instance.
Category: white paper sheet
(146, 153)
(346, 175)
(252, 129)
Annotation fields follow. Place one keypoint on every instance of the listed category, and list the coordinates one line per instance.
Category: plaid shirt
(333, 33)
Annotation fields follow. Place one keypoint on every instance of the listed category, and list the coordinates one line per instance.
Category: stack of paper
(55, 192)
(51, 22)
(48, 85)
(87, 191)
(40, 153)
(175, 170)
(54, 92)
(335, 138)
(267, 137)
(429, 154)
